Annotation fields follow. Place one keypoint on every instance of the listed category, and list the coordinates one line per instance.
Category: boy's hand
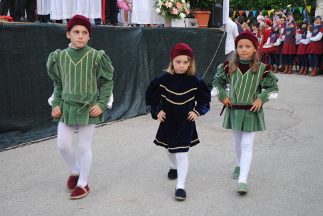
(256, 105)
(192, 116)
(95, 111)
(161, 116)
(226, 101)
(56, 112)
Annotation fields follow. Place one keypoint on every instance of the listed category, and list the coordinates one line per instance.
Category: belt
(239, 107)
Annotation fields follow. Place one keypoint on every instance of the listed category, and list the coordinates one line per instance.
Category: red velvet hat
(181, 49)
(79, 20)
(247, 35)
(268, 22)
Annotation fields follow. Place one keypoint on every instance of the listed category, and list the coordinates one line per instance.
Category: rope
(214, 55)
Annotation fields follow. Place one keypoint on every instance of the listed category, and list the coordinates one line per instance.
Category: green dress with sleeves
(82, 78)
(245, 88)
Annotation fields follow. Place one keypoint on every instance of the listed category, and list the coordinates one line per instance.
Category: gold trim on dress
(178, 103)
(192, 89)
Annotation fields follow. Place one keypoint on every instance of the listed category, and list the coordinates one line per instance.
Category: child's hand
(56, 112)
(161, 116)
(256, 105)
(191, 116)
(226, 101)
(95, 111)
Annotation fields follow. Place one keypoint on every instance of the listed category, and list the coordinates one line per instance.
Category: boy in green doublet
(82, 89)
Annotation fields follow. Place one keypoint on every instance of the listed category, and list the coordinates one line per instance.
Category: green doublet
(82, 78)
(244, 90)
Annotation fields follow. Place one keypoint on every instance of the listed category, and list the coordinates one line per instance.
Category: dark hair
(256, 24)
(231, 12)
(284, 18)
(240, 20)
(273, 29)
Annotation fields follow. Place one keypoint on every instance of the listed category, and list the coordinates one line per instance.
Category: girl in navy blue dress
(177, 98)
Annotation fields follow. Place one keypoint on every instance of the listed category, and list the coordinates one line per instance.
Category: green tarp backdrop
(137, 54)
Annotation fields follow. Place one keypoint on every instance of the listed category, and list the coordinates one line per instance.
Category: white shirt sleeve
(317, 37)
(278, 42)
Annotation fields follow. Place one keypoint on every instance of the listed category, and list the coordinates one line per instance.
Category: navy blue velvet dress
(177, 95)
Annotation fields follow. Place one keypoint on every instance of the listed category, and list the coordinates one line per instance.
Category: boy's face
(181, 64)
(79, 36)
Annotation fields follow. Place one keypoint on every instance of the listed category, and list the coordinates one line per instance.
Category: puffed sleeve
(269, 83)
(153, 97)
(104, 75)
(220, 81)
(203, 98)
(55, 75)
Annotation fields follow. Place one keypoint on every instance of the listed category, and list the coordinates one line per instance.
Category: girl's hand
(95, 111)
(161, 116)
(56, 112)
(256, 105)
(226, 101)
(191, 116)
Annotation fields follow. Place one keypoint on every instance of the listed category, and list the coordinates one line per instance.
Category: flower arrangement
(172, 9)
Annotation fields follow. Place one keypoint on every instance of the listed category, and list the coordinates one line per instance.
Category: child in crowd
(244, 112)
(82, 88)
(289, 47)
(124, 4)
(273, 47)
(177, 98)
(302, 49)
(316, 45)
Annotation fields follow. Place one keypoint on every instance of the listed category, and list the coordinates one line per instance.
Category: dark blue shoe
(180, 194)
(172, 174)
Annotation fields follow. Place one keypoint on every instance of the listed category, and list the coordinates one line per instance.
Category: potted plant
(202, 10)
(172, 10)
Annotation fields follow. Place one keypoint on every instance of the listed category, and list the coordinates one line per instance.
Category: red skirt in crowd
(315, 47)
(302, 49)
(270, 50)
(289, 48)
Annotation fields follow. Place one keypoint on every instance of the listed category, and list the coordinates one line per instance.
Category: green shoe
(242, 188)
(236, 172)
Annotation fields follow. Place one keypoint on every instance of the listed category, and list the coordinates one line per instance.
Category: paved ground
(129, 172)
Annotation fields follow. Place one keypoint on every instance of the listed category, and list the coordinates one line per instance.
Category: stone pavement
(129, 173)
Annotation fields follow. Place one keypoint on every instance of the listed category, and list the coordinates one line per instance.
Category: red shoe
(72, 182)
(79, 192)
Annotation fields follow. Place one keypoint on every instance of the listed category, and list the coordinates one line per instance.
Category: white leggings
(179, 161)
(65, 135)
(243, 144)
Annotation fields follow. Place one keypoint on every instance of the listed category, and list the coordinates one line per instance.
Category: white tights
(179, 161)
(65, 135)
(243, 144)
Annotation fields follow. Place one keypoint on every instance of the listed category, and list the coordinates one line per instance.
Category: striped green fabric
(244, 90)
(82, 78)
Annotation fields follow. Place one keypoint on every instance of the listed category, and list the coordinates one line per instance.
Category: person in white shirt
(232, 32)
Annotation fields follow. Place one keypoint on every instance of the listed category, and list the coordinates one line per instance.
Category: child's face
(254, 28)
(79, 36)
(181, 64)
(245, 48)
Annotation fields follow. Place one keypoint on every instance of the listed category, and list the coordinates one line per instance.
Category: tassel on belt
(77, 103)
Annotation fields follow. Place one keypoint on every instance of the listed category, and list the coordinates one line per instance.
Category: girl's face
(245, 49)
(181, 64)
(254, 28)
(79, 36)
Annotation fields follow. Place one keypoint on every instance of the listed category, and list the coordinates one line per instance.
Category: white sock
(65, 135)
(182, 168)
(246, 145)
(172, 158)
(85, 135)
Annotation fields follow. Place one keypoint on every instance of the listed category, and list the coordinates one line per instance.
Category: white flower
(289, 5)
(158, 10)
(183, 1)
(183, 15)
